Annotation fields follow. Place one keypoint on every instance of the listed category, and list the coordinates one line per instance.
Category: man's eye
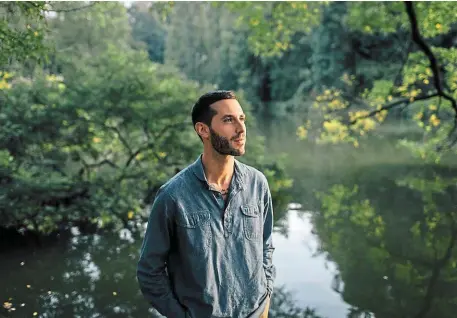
(227, 120)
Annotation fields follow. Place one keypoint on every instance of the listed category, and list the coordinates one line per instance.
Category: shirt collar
(198, 170)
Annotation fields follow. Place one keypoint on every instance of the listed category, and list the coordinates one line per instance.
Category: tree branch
(104, 161)
(417, 38)
(392, 105)
(70, 9)
(121, 138)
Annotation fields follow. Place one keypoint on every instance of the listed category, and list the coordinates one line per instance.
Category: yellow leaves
(438, 26)
(35, 33)
(432, 107)
(4, 84)
(130, 215)
(139, 156)
(418, 116)
(336, 104)
(426, 81)
(330, 100)
(54, 78)
(335, 131)
(358, 115)
(96, 140)
(162, 155)
(4, 76)
(368, 124)
(367, 29)
(281, 45)
(402, 88)
(333, 126)
(302, 132)
(254, 21)
(381, 115)
(434, 120)
(414, 93)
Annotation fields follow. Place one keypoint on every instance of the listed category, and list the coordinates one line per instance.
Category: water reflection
(395, 250)
(91, 276)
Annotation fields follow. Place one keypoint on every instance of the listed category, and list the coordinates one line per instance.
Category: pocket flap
(192, 219)
(250, 210)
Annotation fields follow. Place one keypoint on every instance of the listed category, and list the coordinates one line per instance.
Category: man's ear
(202, 130)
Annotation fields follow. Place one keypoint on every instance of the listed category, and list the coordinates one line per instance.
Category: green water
(375, 253)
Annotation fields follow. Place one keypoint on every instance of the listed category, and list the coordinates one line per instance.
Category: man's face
(228, 129)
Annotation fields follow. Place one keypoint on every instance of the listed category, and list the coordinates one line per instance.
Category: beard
(222, 144)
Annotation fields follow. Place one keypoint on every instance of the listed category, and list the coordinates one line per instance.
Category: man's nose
(241, 127)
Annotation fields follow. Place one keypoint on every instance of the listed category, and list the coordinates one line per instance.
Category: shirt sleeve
(151, 270)
(268, 248)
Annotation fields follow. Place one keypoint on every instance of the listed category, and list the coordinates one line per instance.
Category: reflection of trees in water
(282, 306)
(396, 251)
(95, 276)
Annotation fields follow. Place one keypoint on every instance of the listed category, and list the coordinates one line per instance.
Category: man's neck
(218, 168)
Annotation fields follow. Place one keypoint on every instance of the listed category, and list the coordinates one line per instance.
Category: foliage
(77, 147)
(149, 29)
(419, 88)
(376, 58)
(22, 31)
(89, 138)
(272, 25)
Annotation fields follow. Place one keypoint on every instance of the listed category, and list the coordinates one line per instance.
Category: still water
(369, 232)
(94, 276)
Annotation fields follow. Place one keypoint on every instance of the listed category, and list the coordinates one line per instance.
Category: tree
(425, 80)
(90, 138)
(22, 30)
(147, 28)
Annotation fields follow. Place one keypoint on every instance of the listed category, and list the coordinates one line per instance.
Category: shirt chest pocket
(252, 222)
(194, 232)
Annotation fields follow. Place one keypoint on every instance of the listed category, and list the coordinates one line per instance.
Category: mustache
(239, 137)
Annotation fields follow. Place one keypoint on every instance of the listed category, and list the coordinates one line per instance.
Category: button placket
(228, 212)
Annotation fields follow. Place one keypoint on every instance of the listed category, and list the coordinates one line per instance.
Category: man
(207, 251)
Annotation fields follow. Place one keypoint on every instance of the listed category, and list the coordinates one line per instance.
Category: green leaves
(22, 32)
(271, 26)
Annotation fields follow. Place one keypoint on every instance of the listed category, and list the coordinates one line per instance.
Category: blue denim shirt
(204, 258)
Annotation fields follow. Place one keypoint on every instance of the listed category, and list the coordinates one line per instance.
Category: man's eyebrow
(230, 115)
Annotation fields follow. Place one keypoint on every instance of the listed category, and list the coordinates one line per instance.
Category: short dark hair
(202, 112)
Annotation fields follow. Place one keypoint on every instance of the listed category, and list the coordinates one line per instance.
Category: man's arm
(268, 248)
(152, 277)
